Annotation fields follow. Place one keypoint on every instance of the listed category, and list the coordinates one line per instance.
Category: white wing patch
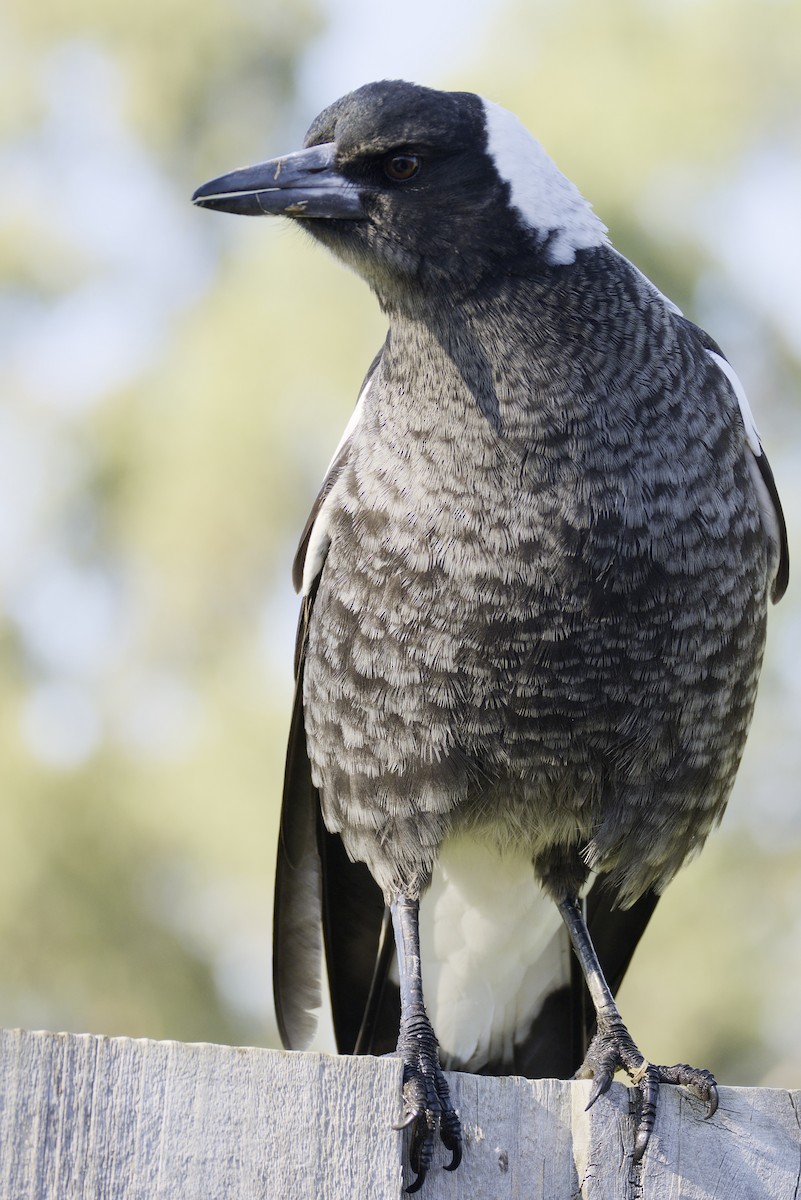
(751, 433)
(668, 303)
(545, 198)
(355, 417)
(492, 946)
(774, 522)
(319, 537)
(317, 549)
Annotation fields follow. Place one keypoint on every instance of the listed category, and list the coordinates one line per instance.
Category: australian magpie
(535, 584)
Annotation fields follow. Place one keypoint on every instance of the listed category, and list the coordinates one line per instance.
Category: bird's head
(420, 191)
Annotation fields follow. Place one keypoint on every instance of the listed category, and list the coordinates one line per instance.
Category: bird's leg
(426, 1099)
(613, 1047)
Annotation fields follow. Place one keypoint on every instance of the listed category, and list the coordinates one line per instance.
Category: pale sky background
(419, 40)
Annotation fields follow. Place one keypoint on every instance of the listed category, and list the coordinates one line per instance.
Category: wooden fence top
(85, 1117)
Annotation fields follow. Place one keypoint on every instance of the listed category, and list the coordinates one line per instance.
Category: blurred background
(173, 383)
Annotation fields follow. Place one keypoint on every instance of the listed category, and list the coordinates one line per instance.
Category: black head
(418, 190)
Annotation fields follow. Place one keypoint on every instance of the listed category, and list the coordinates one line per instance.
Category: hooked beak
(302, 184)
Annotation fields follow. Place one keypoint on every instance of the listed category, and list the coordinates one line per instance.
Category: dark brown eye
(402, 167)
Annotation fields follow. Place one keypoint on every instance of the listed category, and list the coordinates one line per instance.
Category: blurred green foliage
(624, 88)
(135, 878)
(197, 78)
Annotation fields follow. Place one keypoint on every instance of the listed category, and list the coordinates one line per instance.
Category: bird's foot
(613, 1048)
(427, 1107)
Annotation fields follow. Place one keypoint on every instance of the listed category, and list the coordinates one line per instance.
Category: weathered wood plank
(85, 1116)
(750, 1149)
(89, 1118)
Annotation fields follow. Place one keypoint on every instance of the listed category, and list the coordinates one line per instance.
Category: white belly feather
(493, 946)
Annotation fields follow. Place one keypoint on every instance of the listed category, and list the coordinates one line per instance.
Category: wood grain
(85, 1117)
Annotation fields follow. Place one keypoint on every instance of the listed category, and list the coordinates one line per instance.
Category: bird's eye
(402, 167)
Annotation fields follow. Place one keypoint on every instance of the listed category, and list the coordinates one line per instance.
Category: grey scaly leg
(426, 1098)
(613, 1046)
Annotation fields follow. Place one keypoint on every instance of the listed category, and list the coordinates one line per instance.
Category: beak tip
(203, 192)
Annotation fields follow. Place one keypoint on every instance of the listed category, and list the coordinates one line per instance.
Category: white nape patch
(751, 433)
(319, 538)
(545, 198)
(492, 945)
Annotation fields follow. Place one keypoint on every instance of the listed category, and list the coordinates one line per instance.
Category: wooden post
(85, 1117)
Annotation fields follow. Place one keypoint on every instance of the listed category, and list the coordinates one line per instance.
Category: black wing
(782, 577)
(323, 901)
(772, 504)
(297, 930)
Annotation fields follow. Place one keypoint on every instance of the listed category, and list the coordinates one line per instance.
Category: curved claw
(648, 1087)
(601, 1084)
(456, 1159)
(417, 1183)
(641, 1143)
(406, 1121)
(712, 1102)
(450, 1129)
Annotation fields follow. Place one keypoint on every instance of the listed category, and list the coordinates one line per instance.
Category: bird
(534, 588)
